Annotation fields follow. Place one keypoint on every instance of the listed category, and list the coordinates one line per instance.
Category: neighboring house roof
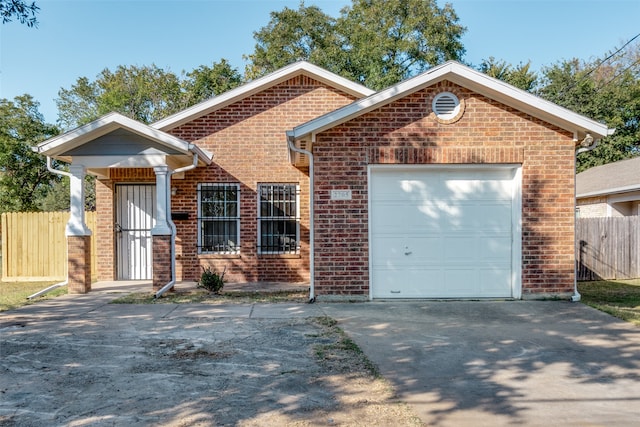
(612, 178)
(469, 78)
(258, 85)
(65, 146)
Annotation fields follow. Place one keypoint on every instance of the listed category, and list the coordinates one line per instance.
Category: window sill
(219, 256)
(281, 256)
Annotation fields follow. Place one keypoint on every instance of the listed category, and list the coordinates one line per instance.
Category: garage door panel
(439, 233)
(495, 282)
(407, 249)
(393, 217)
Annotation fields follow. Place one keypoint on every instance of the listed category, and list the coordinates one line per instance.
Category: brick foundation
(79, 264)
(161, 261)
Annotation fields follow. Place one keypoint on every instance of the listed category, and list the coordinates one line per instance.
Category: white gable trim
(258, 85)
(471, 79)
(55, 146)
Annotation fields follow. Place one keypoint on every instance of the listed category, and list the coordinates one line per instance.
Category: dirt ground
(137, 366)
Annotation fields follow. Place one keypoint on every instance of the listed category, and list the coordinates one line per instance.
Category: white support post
(162, 227)
(77, 225)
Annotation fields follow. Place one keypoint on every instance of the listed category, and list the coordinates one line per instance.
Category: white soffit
(108, 123)
(260, 84)
(471, 79)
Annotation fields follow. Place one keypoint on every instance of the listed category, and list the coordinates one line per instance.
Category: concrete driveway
(502, 363)
(77, 360)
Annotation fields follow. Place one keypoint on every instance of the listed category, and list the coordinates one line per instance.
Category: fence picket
(34, 245)
(608, 248)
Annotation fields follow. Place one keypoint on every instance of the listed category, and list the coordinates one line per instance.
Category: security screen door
(135, 217)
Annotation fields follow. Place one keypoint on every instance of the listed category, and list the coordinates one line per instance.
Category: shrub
(211, 281)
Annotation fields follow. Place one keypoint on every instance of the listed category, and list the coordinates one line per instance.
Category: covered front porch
(115, 142)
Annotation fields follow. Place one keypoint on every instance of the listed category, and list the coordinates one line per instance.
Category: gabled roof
(612, 178)
(258, 85)
(469, 78)
(59, 145)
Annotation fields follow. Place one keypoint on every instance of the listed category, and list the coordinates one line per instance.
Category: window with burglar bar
(278, 219)
(219, 218)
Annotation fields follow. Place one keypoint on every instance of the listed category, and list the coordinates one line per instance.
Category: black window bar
(278, 223)
(219, 218)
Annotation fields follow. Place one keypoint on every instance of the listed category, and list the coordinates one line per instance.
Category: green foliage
(17, 9)
(145, 93)
(620, 298)
(205, 82)
(294, 35)
(24, 179)
(211, 281)
(520, 76)
(58, 196)
(606, 91)
(374, 42)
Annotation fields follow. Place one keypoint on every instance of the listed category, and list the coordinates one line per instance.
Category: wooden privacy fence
(34, 245)
(608, 248)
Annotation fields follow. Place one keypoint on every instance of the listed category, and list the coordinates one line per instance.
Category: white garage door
(444, 232)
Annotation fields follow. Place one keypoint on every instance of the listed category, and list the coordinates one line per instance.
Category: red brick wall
(249, 145)
(406, 132)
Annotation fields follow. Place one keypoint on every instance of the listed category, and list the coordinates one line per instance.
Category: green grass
(202, 296)
(14, 294)
(620, 298)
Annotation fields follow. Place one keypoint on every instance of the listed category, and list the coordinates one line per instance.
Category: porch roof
(115, 140)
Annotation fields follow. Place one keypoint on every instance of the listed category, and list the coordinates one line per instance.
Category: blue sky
(81, 37)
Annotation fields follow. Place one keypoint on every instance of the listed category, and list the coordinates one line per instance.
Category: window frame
(282, 218)
(201, 220)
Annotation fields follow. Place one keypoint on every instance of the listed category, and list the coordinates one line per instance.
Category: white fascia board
(258, 85)
(133, 161)
(109, 123)
(471, 79)
(526, 102)
(609, 191)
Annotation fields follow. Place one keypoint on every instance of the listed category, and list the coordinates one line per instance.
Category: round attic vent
(446, 105)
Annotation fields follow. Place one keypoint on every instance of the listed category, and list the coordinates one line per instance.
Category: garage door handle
(395, 292)
(408, 253)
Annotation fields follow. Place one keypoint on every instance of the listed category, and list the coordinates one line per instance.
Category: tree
(205, 82)
(520, 76)
(607, 91)
(17, 9)
(24, 179)
(374, 42)
(387, 41)
(146, 93)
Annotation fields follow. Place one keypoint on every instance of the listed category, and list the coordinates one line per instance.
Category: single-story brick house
(451, 184)
(610, 190)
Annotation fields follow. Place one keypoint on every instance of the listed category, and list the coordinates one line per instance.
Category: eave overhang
(258, 85)
(466, 77)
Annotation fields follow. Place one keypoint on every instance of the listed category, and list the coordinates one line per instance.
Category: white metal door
(442, 233)
(135, 217)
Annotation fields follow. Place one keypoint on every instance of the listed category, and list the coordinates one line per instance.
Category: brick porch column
(161, 261)
(79, 264)
(78, 236)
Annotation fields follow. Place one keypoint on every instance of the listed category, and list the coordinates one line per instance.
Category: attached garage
(445, 232)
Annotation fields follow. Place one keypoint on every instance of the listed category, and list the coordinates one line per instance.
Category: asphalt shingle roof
(610, 178)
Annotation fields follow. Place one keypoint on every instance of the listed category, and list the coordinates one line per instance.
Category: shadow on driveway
(502, 363)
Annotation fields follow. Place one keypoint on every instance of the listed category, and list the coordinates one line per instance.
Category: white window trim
(200, 218)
